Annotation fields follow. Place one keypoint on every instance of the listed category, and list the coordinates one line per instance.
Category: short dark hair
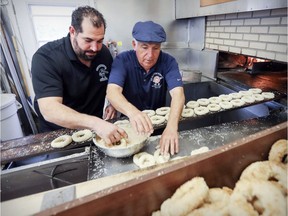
(95, 16)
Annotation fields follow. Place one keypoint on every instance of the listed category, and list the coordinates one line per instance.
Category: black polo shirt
(57, 72)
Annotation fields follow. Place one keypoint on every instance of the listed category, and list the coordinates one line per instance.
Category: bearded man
(70, 77)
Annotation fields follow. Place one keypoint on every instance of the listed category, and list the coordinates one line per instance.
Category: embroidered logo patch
(157, 80)
(102, 69)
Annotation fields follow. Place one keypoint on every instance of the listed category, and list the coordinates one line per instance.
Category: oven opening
(244, 63)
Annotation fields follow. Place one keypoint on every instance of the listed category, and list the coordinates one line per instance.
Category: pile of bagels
(260, 190)
(203, 106)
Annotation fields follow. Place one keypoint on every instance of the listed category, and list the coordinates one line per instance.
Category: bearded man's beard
(83, 54)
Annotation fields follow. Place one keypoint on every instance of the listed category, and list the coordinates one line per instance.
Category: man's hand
(169, 141)
(110, 112)
(110, 133)
(141, 122)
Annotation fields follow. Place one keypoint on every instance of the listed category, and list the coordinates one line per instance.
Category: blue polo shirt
(145, 90)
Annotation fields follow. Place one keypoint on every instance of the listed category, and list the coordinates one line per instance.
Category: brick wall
(261, 34)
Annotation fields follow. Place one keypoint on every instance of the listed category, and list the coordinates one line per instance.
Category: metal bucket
(123, 151)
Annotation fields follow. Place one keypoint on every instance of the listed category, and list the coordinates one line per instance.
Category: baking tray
(141, 196)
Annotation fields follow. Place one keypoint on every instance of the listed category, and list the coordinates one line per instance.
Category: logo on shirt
(102, 69)
(156, 80)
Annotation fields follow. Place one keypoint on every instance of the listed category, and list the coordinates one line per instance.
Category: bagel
(216, 203)
(137, 156)
(237, 102)
(162, 111)
(192, 104)
(203, 101)
(82, 135)
(255, 90)
(214, 100)
(187, 112)
(214, 107)
(146, 160)
(268, 171)
(186, 198)
(245, 93)
(61, 141)
(161, 158)
(149, 112)
(278, 151)
(248, 99)
(258, 97)
(226, 105)
(235, 95)
(157, 119)
(201, 110)
(257, 197)
(225, 97)
(268, 95)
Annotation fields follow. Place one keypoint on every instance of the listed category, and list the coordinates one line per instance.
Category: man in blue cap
(139, 80)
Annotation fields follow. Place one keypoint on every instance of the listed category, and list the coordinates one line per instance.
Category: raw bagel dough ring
(61, 141)
(278, 151)
(255, 90)
(258, 97)
(203, 101)
(157, 119)
(192, 104)
(245, 93)
(187, 112)
(250, 197)
(162, 111)
(82, 135)
(268, 171)
(186, 198)
(268, 95)
(248, 99)
(137, 156)
(235, 95)
(146, 160)
(225, 97)
(226, 104)
(149, 112)
(214, 100)
(214, 107)
(237, 102)
(201, 110)
(161, 158)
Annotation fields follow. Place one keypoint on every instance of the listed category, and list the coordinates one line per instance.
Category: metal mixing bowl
(121, 152)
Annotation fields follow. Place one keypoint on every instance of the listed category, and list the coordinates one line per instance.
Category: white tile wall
(261, 34)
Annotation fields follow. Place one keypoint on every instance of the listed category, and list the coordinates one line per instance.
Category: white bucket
(10, 124)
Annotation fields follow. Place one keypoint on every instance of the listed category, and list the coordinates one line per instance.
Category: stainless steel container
(191, 75)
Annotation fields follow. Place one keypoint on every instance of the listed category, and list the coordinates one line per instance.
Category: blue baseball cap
(149, 32)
